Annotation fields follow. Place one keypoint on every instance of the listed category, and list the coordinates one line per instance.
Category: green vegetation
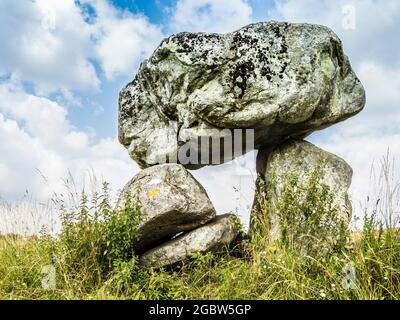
(302, 213)
(93, 259)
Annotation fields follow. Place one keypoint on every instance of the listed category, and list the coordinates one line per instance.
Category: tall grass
(27, 216)
(385, 202)
(302, 216)
(93, 258)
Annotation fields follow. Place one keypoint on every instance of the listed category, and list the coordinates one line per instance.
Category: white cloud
(37, 138)
(376, 25)
(374, 55)
(47, 43)
(52, 44)
(42, 119)
(382, 84)
(122, 39)
(210, 15)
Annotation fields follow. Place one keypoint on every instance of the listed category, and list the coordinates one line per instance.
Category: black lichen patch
(194, 43)
(242, 72)
(267, 72)
(255, 52)
(283, 67)
(129, 105)
(243, 40)
(283, 51)
(270, 54)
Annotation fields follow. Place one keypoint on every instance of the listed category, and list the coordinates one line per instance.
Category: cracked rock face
(303, 158)
(282, 80)
(172, 201)
(210, 237)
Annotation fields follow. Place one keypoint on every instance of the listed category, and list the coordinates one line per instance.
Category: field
(91, 258)
(276, 273)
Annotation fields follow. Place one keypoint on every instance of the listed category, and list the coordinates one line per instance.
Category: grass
(93, 259)
(275, 273)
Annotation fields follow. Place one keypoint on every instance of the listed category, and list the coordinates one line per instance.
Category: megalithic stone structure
(275, 81)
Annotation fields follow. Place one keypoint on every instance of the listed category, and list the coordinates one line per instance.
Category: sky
(63, 63)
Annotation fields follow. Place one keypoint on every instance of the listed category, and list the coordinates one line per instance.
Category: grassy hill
(255, 270)
(92, 258)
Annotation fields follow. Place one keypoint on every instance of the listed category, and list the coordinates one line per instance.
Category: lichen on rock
(302, 196)
(171, 200)
(220, 232)
(282, 80)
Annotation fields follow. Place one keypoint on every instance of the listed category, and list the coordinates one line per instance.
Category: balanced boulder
(172, 201)
(303, 191)
(210, 237)
(282, 80)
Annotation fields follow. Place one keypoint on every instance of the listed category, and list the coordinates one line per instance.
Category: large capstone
(302, 196)
(171, 200)
(282, 80)
(222, 231)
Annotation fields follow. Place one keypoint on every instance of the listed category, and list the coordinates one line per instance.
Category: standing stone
(282, 80)
(210, 237)
(299, 161)
(172, 201)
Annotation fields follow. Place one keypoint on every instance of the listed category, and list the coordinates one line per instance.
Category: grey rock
(172, 201)
(223, 230)
(303, 158)
(282, 80)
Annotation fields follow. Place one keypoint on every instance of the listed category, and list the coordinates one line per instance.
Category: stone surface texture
(303, 158)
(282, 80)
(211, 237)
(172, 201)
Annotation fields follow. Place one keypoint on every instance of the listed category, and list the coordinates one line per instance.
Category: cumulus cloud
(56, 46)
(40, 147)
(52, 44)
(375, 24)
(210, 15)
(46, 43)
(373, 53)
(382, 84)
(37, 141)
(122, 39)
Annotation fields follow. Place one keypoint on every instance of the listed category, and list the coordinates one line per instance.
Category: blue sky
(157, 12)
(100, 111)
(63, 63)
